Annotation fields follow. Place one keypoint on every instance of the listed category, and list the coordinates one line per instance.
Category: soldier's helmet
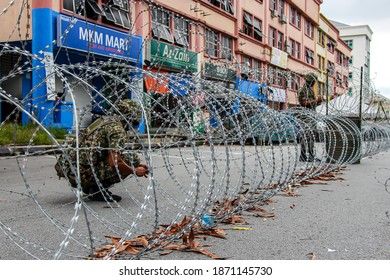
(129, 109)
(311, 77)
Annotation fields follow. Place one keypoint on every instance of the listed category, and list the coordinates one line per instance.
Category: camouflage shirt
(307, 93)
(102, 137)
(95, 143)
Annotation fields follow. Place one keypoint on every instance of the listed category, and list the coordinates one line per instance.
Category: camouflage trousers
(92, 176)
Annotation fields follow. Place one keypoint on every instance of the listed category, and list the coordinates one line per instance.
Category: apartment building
(40, 33)
(333, 56)
(269, 43)
(358, 38)
(260, 47)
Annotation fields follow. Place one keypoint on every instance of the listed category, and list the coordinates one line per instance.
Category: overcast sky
(376, 14)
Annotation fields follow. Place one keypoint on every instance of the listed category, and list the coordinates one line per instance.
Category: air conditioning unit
(283, 18)
(274, 13)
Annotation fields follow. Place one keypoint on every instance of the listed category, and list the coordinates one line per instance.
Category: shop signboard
(276, 94)
(218, 72)
(50, 76)
(279, 58)
(172, 56)
(77, 34)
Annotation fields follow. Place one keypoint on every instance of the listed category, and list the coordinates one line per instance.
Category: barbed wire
(211, 150)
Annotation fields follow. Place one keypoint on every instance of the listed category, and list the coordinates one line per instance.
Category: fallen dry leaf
(207, 253)
(174, 247)
(131, 251)
(165, 253)
(308, 182)
(234, 219)
(191, 239)
(241, 228)
(312, 256)
(215, 232)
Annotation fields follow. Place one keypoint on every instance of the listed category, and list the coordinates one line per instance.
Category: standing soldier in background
(308, 98)
(102, 159)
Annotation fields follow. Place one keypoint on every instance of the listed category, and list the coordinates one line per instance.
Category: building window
(246, 67)
(294, 48)
(280, 41)
(339, 57)
(309, 56)
(257, 29)
(253, 27)
(271, 74)
(211, 39)
(161, 25)
(256, 70)
(226, 47)
(176, 31)
(73, 6)
(247, 62)
(181, 32)
(276, 39)
(309, 28)
(367, 44)
(349, 43)
(280, 79)
(281, 7)
(272, 37)
(116, 13)
(321, 63)
(345, 78)
(321, 37)
(339, 81)
(346, 61)
(218, 45)
(295, 17)
(351, 60)
(298, 50)
(273, 4)
(321, 89)
(295, 81)
(331, 68)
(226, 5)
(290, 48)
(251, 68)
(331, 45)
(277, 8)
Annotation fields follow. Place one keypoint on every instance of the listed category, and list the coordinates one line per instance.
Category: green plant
(28, 134)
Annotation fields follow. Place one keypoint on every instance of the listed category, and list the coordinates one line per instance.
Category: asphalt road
(342, 220)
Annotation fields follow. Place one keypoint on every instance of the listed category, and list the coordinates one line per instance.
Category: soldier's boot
(103, 195)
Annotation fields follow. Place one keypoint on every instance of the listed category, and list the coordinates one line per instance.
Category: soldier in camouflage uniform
(307, 96)
(101, 158)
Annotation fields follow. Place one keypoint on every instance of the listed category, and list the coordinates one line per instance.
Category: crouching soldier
(102, 161)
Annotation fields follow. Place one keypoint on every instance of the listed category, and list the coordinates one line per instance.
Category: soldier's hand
(144, 166)
(141, 171)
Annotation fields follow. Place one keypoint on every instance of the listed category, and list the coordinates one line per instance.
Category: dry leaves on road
(119, 248)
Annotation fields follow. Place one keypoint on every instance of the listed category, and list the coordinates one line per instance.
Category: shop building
(66, 39)
(333, 56)
(260, 47)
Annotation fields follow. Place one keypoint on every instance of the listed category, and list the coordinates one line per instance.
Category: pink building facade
(272, 43)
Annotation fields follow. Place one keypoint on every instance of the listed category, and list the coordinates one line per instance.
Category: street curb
(6, 151)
